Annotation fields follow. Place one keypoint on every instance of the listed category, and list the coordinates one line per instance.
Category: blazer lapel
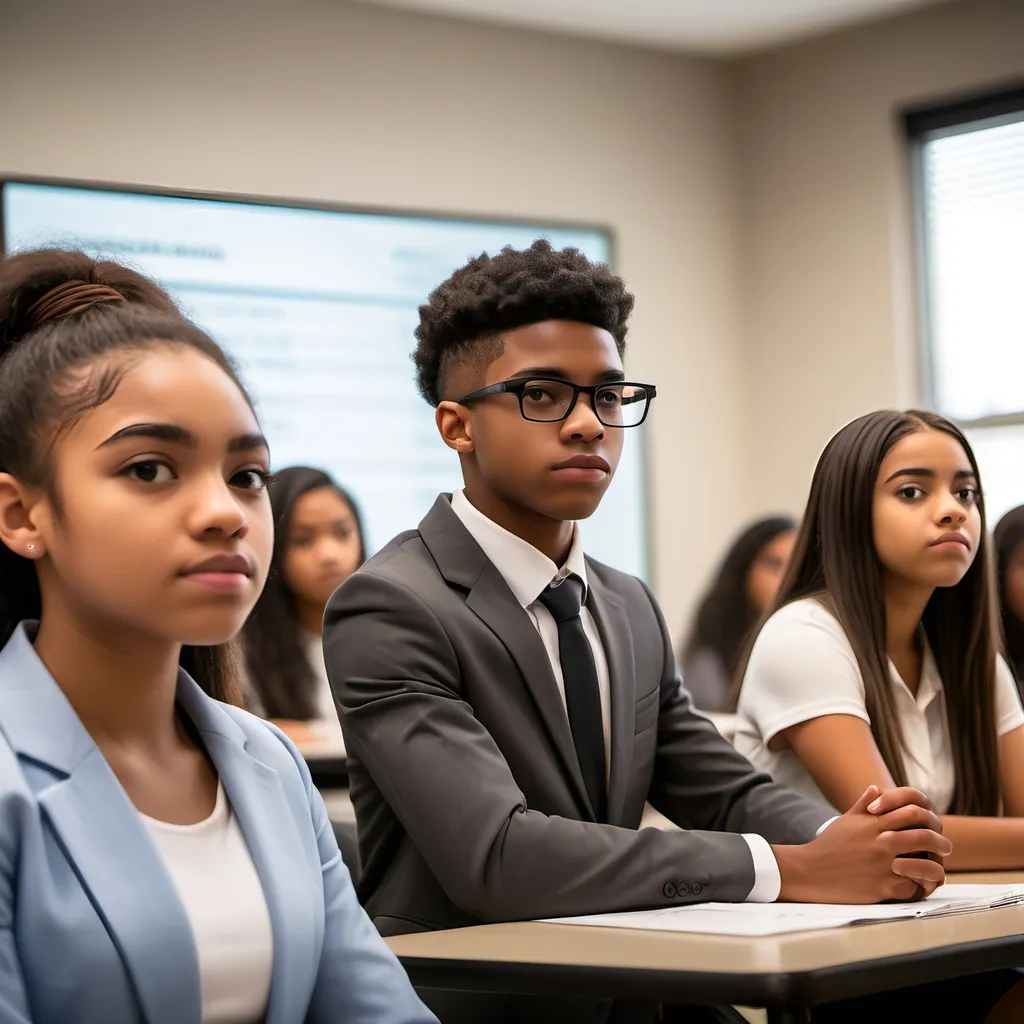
(609, 611)
(126, 880)
(104, 838)
(261, 808)
(462, 562)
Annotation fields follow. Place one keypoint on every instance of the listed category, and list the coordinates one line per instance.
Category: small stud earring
(31, 547)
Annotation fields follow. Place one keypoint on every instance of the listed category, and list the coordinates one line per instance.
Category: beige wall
(315, 98)
(827, 274)
(760, 207)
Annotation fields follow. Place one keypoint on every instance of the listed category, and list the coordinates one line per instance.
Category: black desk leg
(788, 1015)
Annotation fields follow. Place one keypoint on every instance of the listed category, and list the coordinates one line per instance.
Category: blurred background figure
(318, 544)
(1009, 545)
(743, 587)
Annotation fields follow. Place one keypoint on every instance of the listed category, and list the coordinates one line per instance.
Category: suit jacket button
(682, 889)
(696, 888)
(669, 890)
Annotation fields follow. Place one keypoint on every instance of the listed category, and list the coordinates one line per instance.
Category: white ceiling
(720, 27)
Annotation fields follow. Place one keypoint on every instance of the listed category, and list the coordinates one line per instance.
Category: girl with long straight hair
(744, 586)
(881, 663)
(164, 856)
(318, 544)
(1008, 538)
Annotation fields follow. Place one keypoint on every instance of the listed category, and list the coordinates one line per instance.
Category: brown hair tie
(70, 298)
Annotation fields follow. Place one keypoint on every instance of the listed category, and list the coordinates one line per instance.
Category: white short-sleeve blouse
(802, 667)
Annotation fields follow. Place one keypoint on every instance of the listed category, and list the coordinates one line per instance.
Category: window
(969, 179)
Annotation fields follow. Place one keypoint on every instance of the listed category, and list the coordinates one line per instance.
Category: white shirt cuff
(767, 880)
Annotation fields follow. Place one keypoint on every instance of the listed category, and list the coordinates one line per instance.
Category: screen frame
(396, 212)
(319, 205)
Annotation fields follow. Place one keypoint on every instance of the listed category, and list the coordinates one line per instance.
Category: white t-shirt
(216, 880)
(802, 667)
(326, 722)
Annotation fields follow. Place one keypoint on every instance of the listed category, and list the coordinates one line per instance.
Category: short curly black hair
(463, 318)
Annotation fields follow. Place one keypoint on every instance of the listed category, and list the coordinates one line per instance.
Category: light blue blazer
(91, 926)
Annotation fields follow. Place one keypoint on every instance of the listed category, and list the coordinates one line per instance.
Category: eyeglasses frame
(518, 385)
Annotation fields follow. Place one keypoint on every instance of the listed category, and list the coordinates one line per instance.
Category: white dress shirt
(527, 572)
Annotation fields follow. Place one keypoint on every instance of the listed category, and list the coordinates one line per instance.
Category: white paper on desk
(754, 919)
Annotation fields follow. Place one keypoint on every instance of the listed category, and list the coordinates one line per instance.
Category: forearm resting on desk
(984, 844)
(297, 730)
(979, 844)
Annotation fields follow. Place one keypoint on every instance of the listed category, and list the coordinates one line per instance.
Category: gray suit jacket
(469, 800)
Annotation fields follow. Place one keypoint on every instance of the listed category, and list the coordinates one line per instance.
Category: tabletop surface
(527, 942)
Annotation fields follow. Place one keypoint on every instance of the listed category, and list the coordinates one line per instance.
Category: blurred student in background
(163, 854)
(1009, 545)
(318, 544)
(880, 665)
(744, 586)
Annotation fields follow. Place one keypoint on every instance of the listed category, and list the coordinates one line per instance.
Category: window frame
(922, 125)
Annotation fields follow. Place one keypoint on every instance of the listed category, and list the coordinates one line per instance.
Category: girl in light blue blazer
(164, 857)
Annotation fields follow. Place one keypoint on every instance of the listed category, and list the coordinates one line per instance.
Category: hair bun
(68, 299)
(51, 284)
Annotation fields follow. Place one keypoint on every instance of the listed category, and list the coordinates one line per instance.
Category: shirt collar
(930, 684)
(526, 570)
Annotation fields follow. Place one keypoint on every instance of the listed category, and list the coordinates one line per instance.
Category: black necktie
(582, 695)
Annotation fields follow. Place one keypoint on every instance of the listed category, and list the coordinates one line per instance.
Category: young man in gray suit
(509, 704)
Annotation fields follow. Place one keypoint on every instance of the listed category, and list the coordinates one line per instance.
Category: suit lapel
(104, 839)
(261, 808)
(462, 562)
(609, 611)
(492, 601)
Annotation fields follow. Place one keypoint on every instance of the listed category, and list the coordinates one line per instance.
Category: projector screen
(318, 306)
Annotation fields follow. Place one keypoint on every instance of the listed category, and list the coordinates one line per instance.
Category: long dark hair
(835, 560)
(1009, 532)
(280, 672)
(62, 312)
(725, 616)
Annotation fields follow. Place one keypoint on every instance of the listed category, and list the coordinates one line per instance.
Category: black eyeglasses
(550, 399)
